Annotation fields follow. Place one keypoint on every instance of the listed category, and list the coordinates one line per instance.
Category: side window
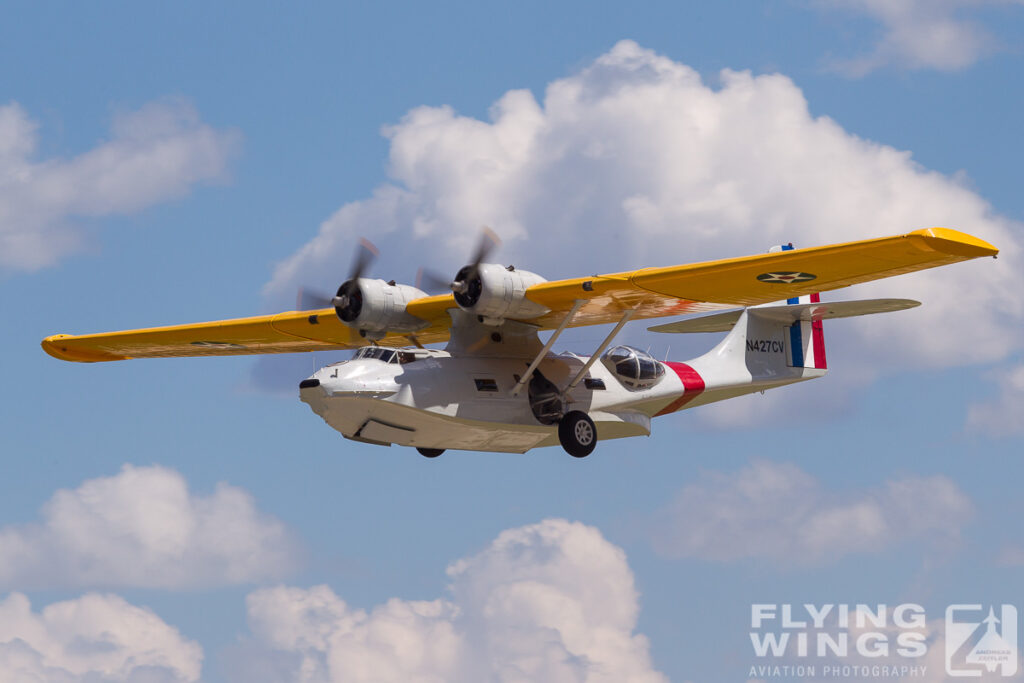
(486, 384)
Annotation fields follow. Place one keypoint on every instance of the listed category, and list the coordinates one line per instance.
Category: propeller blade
(312, 300)
(432, 283)
(365, 255)
(489, 241)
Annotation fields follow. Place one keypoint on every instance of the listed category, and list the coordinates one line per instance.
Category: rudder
(807, 338)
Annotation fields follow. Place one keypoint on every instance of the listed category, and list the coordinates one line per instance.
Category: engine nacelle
(496, 293)
(376, 307)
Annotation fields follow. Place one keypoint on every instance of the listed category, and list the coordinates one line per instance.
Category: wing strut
(600, 349)
(547, 347)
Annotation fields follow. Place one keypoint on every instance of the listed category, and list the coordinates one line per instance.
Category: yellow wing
(649, 292)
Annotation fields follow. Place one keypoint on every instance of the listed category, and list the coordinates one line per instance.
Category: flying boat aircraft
(497, 387)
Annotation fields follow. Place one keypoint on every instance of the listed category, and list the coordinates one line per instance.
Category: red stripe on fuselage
(818, 338)
(693, 385)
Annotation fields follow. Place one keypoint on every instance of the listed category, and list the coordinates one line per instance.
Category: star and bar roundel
(786, 277)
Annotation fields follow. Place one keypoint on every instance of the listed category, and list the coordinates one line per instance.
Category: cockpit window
(374, 353)
(397, 356)
(634, 368)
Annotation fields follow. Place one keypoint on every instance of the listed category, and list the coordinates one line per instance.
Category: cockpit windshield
(374, 353)
(634, 368)
(402, 356)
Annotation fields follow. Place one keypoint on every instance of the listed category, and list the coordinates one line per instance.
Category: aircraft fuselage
(437, 401)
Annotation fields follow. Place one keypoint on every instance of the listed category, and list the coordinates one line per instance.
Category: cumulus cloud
(95, 638)
(1001, 416)
(156, 153)
(552, 601)
(920, 34)
(780, 513)
(142, 527)
(635, 161)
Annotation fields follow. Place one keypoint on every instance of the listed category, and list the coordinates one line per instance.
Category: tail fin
(807, 337)
(776, 342)
(769, 346)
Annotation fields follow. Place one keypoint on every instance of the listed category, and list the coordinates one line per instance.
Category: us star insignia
(785, 277)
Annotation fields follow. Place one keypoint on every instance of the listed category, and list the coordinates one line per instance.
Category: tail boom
(766, 347)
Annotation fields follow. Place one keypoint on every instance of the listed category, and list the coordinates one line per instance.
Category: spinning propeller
(349, 296)
(349, 299)
(467, 284)
(488, 242)
(429, 281)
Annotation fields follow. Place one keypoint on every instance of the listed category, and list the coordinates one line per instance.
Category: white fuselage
(466, 403)
(438, 401)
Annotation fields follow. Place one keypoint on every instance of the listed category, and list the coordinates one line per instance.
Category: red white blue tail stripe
(806, 339)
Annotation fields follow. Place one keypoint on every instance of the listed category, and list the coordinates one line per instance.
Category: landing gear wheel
(430, 452)
(577, 434)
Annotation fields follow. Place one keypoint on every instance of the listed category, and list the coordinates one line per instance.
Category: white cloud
(143, 527)
(634, 161)
(1002, 415)
(552, 601)
(780, 513)
(921, 34)
(154, 154)
(95, 638)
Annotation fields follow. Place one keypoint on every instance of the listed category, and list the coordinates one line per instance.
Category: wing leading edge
(650, 292)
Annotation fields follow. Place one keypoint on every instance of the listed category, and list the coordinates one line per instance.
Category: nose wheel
(577, 433)
(430, 452)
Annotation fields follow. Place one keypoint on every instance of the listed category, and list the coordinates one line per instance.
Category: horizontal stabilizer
(723, 322)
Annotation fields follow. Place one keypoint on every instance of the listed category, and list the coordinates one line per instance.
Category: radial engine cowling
(495, 293)
(376, 307)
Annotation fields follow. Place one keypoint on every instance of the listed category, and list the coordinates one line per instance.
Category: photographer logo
(976, 643)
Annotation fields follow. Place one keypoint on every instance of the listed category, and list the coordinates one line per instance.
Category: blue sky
(172, 164)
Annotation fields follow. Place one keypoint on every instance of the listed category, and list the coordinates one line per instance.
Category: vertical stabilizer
(807, 339)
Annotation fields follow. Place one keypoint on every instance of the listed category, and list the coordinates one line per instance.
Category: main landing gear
(577, 434)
